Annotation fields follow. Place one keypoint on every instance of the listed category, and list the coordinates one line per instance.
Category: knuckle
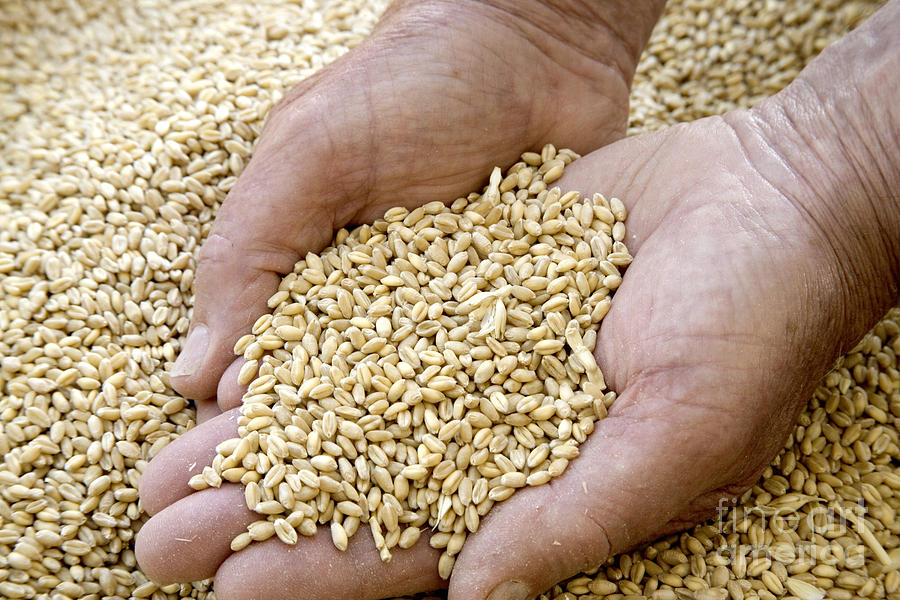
(253, 254)
(216, 250)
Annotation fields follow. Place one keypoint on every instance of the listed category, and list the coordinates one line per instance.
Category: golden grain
(451, 379)
(100, 230)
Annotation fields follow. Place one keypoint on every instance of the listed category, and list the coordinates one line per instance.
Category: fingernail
(192, 354)
(511, 590)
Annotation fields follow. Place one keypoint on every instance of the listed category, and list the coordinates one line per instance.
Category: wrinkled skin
(738, 299)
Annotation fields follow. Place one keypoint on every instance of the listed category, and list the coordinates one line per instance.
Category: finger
(314, 569)
(207, 409)
(191, 538)
(229, 392)
(165, 480)
(635, 474)
(188, 540)
(258, 235)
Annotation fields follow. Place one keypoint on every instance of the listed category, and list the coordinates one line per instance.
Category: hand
(766, 243)
(743, 288)
(440, 92)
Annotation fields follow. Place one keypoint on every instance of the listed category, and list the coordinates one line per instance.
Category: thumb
(262, 229)
(636, 477)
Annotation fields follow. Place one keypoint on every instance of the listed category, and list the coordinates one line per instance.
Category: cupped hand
(417, 112)
(727, 317)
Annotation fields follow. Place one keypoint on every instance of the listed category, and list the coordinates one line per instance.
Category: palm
(704, 340)
(695, 347)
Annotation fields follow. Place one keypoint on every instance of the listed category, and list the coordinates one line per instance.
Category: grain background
(123, 126)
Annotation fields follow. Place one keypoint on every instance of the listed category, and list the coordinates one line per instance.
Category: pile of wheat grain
(425, 367)
(121, 129)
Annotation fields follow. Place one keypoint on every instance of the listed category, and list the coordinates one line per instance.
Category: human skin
(766, 242)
